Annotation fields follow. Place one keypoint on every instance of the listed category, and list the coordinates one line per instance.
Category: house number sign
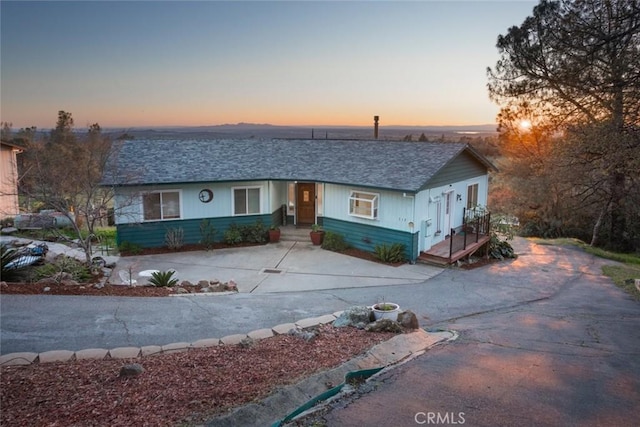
(205, 195)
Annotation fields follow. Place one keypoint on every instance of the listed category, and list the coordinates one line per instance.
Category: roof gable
(396, 165)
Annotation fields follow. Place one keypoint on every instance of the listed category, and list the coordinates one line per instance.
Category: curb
(294, 400)
(28, 358)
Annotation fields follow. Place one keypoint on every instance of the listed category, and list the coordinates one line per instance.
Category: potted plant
(274, 234)
(317, 234)
(385, 310)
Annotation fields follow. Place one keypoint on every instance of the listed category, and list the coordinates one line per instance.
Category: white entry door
(448, 208)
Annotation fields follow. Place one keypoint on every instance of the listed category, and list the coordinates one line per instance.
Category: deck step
(291, 233)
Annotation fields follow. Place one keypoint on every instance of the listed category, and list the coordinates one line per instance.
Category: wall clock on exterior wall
(205, 195)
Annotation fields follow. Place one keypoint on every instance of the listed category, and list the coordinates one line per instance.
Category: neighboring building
(9, 206)
(371, 192)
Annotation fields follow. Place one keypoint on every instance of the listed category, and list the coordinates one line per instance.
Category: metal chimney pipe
(375, 126)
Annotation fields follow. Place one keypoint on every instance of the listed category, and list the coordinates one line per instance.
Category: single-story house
(371, 192)
(9, 179)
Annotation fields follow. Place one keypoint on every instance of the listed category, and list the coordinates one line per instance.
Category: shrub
(207, 233)
(130, 248)
(390, 253)
(256, 233)
(249, 233)
(163, 279)
(233, 235)
(500, 249)
(174, 238)
(334, 242)
(64, 264)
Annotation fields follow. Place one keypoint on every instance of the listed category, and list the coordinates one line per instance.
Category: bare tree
(64, 174)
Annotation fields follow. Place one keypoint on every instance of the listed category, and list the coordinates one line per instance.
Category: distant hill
(260, 131)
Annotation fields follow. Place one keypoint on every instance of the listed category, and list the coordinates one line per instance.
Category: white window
(472, 196)
(363, 205)
(161, 205)
(246, 201)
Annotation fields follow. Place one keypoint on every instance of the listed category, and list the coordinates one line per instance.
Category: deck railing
(476, 221)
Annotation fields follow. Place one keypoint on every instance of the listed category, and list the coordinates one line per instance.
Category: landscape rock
(357, 316)
(384, 325)
(131, 370)
(186, 283)
(408, 320)
(203, 283)
(247, 342)
(46, 289)
(9, 230)
(301, 333)
(179, 290)
(214, 282)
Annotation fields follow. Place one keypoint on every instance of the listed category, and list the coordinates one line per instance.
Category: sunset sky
(154, 63)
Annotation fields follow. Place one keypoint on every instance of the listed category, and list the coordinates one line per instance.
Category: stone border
(28, 358)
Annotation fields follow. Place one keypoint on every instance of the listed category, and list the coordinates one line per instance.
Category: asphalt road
(543, 340)
(570, 357)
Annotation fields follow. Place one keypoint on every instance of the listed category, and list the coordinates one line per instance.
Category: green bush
(248, 233)
(254, 233)
(500, 249)
(107, 233)
(390, 253)
(334, 242)
(64, 264)
(233, 235)
(130, 248)
(163, 279)
(207, 233)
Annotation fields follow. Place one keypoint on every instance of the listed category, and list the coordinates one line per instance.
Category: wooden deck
(439, 253)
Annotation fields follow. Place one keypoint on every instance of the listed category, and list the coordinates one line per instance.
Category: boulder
(408, 320)
(203, 283)
(357, 316)
(186, 283)
(384, 325)
(179, 290)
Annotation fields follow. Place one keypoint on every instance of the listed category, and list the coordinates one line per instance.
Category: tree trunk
(617, 240)
(596, 226)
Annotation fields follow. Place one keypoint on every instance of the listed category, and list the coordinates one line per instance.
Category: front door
(306, 203)
(448, 202)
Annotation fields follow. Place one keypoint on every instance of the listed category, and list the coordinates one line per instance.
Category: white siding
(129, 203)
(395, 211)
(426, 208)
(277, 196)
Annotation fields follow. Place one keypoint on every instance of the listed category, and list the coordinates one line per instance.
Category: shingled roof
(395, 165)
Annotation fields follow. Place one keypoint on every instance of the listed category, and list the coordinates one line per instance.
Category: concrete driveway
(286, 266)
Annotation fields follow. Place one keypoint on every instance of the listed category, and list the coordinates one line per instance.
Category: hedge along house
(370, 192)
